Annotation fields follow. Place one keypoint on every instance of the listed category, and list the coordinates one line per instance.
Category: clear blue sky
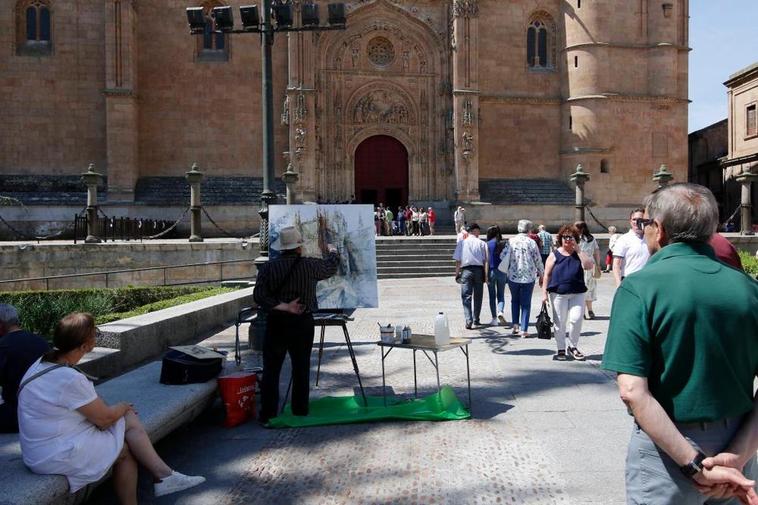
(724, 39)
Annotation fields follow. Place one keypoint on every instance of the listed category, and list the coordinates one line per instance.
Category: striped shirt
(301, 283)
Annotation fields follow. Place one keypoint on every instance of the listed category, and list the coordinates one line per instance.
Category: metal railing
(121, 228)
(108, 274)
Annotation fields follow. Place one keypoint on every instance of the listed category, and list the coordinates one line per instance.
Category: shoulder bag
(505, 258)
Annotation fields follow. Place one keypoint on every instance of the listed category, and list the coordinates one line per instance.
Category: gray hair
(8, 315)
(524, 225)
(688, 212)
(541, 227)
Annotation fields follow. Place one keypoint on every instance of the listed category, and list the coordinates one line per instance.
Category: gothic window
(33, 27)
(751, 121)
(605, 166)
(540, 42)
(212, 46)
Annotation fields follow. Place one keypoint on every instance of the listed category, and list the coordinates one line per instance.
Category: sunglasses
(568, 237)
(641, 222)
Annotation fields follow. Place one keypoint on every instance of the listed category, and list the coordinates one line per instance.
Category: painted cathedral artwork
(350, 228)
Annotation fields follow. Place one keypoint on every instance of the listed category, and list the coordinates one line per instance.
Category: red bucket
(238, 394)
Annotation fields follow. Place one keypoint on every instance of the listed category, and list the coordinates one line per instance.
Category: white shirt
(55, 437)
(525, 261)
(634, 252)
(471, 251)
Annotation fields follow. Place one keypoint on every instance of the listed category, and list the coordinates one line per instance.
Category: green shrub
(163, 304)
(41, 310)
(749, 262)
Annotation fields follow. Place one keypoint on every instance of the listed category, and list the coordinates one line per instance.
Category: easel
(326, 318)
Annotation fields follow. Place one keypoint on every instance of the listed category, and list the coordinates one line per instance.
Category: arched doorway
(381, 172)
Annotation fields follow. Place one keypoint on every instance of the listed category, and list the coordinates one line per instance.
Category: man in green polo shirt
(683, 338)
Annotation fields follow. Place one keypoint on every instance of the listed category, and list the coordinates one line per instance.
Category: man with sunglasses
(630, 252)
(683, 338)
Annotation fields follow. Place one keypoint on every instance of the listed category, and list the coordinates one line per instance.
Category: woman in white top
(588, 245)
(65, 428)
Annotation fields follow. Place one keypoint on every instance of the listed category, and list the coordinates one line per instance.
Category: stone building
(741, 167)
(707, 149)
(492, 102)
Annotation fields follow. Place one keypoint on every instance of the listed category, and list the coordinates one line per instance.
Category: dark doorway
(381, 172)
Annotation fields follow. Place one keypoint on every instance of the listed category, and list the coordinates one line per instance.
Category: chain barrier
(167, 230)
(216, 224)
(734, 214)
(589, 209)
(26, 236)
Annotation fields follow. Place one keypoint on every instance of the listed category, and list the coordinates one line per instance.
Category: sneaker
(468, 325)
(576, 353)
(176, 482)
(477, 323)
(494, 322)
(560, 356)
(501, 318)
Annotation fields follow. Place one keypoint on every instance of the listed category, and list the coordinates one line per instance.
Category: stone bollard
(579, 178)
(91, 178)
(194, 178)
(663, 176)
(290, 178)
(746, 223)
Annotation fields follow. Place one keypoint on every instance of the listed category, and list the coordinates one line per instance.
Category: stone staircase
(409, 257)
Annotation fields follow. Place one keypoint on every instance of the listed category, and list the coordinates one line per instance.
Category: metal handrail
(132, 270)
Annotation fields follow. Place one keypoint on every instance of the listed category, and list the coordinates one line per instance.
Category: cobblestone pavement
(542, 432)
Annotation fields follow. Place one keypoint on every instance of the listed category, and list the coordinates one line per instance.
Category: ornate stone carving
(301, 110)
(380, 51)
(286, 111)
(380, 107)
(466, 8)
(468, 114)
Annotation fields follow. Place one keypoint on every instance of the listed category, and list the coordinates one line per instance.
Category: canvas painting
(350, 228)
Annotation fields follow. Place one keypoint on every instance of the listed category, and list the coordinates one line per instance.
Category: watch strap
(695, 466)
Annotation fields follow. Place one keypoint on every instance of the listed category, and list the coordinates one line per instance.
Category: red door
(381, 172)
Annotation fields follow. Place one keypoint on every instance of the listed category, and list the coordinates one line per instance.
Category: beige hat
(289, 238)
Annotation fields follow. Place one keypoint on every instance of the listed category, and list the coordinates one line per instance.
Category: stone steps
(408, 257)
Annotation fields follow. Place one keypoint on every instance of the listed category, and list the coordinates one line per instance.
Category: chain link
(164, 232)
(216, 224)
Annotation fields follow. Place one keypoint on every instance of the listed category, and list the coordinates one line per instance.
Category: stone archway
(381, 171)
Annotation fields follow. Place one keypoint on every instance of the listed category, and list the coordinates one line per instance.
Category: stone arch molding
(380, 102)
(415, 43)
(399, 135)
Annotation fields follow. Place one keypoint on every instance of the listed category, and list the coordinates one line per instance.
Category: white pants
(567, 315)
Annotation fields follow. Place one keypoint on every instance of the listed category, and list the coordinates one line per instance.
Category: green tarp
(442, 406)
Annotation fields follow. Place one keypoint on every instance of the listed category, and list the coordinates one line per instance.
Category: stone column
(194, 178)
(746, 179)
(579, 178)
(121, 110)
(465, 46)
(663, 176)
(91, 178)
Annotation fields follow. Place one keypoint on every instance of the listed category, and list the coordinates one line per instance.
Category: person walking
(285, 289)
(432, 216)
(564, 285)
(389, 220)
(547, 242)
(415, 216)
(525, 267)
(471, 270)
(611, 243)
(588, 245)
(630, 253)
(683, 339)
(497, 279)
(423, 221)
(18, 350)
(459, 218)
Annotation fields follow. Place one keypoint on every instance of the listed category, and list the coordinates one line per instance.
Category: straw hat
(289, 238)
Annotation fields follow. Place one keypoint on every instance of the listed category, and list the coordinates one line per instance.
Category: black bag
(181, 368)
(544, 325)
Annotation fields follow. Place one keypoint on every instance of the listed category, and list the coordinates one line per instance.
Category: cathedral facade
(429, 101)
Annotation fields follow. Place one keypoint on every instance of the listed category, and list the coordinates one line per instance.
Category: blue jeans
(473, 285)
(496, 290)
(521, 302)
(653, 478)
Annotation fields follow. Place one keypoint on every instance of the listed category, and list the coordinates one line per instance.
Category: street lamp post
(254, 21)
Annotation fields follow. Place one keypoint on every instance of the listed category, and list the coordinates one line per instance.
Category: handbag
(544, 325)
(505, 259)
(181, 368)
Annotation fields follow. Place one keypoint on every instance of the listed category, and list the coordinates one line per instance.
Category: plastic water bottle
(441, 329)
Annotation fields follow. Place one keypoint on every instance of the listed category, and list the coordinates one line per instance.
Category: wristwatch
(695, 466)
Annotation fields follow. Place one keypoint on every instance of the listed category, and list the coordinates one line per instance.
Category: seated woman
(66, 428)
